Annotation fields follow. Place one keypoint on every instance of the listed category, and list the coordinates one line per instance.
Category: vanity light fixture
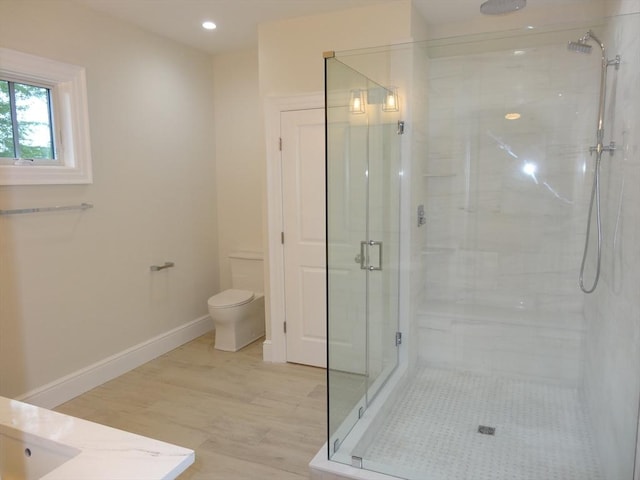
(390, 103)
(356, 101)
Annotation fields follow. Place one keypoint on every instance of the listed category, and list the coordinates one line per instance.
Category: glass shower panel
(384, 205)
(347, 148)
(362, 246)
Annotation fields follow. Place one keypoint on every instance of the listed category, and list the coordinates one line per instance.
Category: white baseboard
(267, 351)
(83, 380)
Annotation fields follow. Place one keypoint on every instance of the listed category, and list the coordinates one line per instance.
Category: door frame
(274, 348)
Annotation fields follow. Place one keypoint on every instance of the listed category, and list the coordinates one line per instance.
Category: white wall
(75, 288)
(240, 153)
(291, 50)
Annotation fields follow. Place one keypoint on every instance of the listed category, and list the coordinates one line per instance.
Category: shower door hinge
(400, 127)
(398, 339)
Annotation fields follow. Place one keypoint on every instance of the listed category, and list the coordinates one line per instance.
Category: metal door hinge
(400, 127)
(285, 327)
(280, 143)
(422, 216)
(398, 339)
(282, 238)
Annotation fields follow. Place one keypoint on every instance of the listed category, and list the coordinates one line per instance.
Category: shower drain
(485, 430)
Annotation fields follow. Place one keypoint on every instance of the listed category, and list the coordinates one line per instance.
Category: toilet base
(233, 336)
(225, 346)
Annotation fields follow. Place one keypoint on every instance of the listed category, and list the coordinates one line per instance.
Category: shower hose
(595, 195)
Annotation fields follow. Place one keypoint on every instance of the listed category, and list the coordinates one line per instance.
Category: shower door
(363, 190)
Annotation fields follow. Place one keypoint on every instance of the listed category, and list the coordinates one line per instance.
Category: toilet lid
(231, 298)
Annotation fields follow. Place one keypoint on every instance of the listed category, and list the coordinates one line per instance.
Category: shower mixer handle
(603, 148)
(615, 62)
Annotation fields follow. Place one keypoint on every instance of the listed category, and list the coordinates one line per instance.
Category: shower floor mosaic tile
(541, 431)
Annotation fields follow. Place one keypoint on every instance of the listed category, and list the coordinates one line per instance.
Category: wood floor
(245, 419)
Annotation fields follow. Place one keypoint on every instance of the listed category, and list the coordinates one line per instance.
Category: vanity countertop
(98, 452)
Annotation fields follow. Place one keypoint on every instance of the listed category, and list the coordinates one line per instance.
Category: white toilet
(238, 313)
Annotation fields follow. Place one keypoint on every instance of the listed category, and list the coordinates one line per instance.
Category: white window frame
(71, 120)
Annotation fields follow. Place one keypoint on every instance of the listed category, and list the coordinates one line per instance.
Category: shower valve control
(603, 148)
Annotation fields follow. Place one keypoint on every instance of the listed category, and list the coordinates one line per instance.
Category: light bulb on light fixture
(356, 102)
(208, 25)
(512, 116)
(390, 103)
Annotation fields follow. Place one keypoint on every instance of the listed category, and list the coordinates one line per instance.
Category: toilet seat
(231, 298)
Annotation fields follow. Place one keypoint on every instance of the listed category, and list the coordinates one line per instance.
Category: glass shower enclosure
(462, 193)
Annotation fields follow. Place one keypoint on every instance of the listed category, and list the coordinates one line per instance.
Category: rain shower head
(499, 7)
(579, 46)
(582, 46)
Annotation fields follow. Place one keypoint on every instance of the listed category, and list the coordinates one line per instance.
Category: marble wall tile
(612, 340)
(498, 345)
(499, 234)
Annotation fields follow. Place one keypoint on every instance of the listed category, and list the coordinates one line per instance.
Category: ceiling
(238, 20)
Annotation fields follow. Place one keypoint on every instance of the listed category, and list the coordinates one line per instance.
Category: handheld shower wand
(581, 46)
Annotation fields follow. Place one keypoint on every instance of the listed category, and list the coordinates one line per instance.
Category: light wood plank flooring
(245, 419)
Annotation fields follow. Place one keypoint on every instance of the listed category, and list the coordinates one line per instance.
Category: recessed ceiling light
(208, 25)
(512, 116)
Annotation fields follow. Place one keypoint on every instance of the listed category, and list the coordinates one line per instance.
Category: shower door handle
(373, 243)
(364, 256)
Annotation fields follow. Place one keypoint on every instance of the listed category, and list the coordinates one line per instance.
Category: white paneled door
(303, 191)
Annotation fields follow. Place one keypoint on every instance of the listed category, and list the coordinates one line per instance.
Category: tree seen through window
(25, 121)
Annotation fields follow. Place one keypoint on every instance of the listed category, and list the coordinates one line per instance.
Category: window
(44, 128)
(26, 131)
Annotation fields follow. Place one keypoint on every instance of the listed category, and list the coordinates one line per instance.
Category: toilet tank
(247, 271)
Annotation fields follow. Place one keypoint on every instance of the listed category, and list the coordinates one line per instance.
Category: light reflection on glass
(530, 169)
